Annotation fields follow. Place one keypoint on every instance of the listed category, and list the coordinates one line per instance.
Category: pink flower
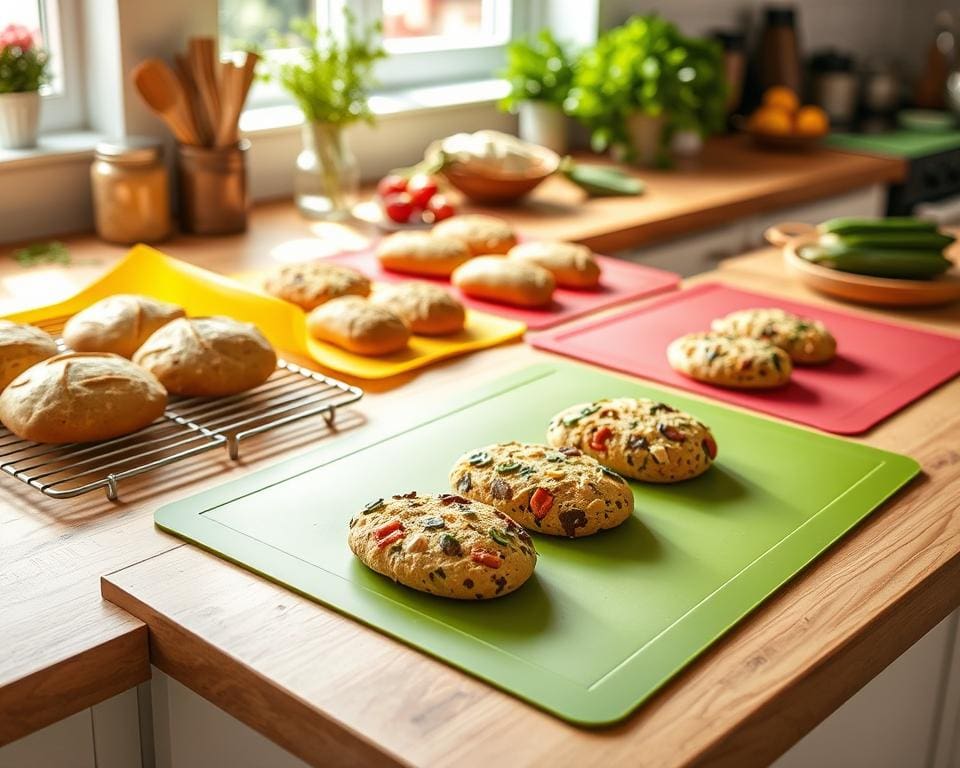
(16, 36)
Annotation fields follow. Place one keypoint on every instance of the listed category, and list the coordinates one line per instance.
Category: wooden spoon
(194, 102)
(202, 55)
(162, 92)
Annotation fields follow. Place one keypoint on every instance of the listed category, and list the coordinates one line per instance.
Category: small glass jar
(131, 198)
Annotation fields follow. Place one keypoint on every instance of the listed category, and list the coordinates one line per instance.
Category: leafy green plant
(37, 254)
(647, 66)
(538, 70)
(330, 78)
(23, 63)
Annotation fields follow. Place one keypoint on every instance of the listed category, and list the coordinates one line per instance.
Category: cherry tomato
(485, 557)
(391, 185)
(440, 208)
(599, 440)
(421, 188)
(398, 207)
(540, 503)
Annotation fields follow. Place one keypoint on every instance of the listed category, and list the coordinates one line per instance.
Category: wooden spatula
(162, 92)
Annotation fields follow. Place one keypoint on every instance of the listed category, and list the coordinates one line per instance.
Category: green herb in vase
(330, 80)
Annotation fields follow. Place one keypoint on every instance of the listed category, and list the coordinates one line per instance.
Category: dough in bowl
(118, 324)
(20, 347)
(78, 397)
(208, 356)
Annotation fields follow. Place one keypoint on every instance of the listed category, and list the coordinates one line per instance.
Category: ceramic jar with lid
(131, 197)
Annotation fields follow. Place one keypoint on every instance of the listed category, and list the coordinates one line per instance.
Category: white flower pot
(19, 117)
(645, 133)
(544, 124)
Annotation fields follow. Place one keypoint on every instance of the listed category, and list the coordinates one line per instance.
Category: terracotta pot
(19, 119)
(544, 124)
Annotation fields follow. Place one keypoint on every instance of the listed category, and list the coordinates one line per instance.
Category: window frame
(63, 107)
(413, 68)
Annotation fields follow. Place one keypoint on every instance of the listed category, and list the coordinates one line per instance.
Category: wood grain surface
(748, 699)
(63, 647)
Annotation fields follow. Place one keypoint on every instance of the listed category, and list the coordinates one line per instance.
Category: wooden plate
(860, 289)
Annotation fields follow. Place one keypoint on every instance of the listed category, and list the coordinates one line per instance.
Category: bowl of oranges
(782, 122)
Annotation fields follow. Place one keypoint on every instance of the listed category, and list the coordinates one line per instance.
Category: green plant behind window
(538, 70)
(647, 66)
(330, 78)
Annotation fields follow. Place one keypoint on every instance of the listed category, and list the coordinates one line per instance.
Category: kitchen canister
(131, 191)
(214, 199)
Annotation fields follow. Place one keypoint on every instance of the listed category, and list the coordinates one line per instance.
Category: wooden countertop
(731, 179)
(335, 692)
(64, 647)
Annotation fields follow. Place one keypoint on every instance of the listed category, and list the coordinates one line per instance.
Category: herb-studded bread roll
(639, 438)
(730, 361)
(359, 325)
(422, 253)
(78, 397)
(208, 356)
(314, 283)
(495, 278)
(118, 324)
(482, 234)
(428, 309)
(559, 492)
(20, 347)
(446, 545)
(806, 341)
(572, 265)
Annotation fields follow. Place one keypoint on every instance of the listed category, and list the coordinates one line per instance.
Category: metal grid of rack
(190, 426)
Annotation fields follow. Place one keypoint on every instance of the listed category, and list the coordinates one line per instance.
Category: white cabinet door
(691, 254)
(893, 721)
(106, 735)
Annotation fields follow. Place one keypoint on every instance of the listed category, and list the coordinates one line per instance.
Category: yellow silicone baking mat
(146, 271)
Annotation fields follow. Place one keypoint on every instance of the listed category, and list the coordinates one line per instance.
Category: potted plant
(540, 73)
(699, 108)
(22, 71)
(330, 81)
(641, 78)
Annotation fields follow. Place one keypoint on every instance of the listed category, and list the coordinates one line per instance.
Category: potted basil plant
(329, 79)
(540, 73)
(640, 81)
(23, 67)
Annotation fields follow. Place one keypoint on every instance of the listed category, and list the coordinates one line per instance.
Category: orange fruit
(811, 121)
(772, 121)
(782, 97)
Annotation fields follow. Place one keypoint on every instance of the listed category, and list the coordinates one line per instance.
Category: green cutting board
(605, 621)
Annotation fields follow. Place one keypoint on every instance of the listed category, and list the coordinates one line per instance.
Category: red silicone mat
(621, 281)
(880, 367)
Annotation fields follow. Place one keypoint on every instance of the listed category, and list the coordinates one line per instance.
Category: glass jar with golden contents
(131, 198)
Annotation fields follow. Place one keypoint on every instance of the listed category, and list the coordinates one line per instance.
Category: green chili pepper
(569, 421)
(372, 506)
(776, 361)
(500, 537)
(449, 545)
(508, 467)
(479, 459)
(433, 522)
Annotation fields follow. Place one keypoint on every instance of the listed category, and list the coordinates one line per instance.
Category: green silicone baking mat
(606, 620)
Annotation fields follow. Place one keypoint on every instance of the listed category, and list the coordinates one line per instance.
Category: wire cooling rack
(190, 426)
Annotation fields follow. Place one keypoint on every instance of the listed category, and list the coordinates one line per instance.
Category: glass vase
(327, 177)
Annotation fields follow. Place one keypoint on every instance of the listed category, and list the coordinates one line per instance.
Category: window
(429, 42)
(62, 97)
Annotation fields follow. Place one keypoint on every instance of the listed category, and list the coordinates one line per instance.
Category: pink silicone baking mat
(880, 367)
(620, 281)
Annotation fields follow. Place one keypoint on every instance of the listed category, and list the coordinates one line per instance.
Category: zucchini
(903, 264)
(849, 225)
(601, 180)
(897, 240)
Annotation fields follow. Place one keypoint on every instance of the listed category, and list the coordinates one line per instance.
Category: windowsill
(52, 148)
(281, 118)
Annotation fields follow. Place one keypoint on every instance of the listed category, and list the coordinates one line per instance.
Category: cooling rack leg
(233, 447)
(330, 415)
(113, 491)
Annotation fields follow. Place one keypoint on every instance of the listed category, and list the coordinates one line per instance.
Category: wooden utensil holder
(213, 189)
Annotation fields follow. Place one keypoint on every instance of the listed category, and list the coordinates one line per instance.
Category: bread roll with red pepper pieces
(730, 361)
(640, 438)
(446, 545)
(807, 341)
(558, 492)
